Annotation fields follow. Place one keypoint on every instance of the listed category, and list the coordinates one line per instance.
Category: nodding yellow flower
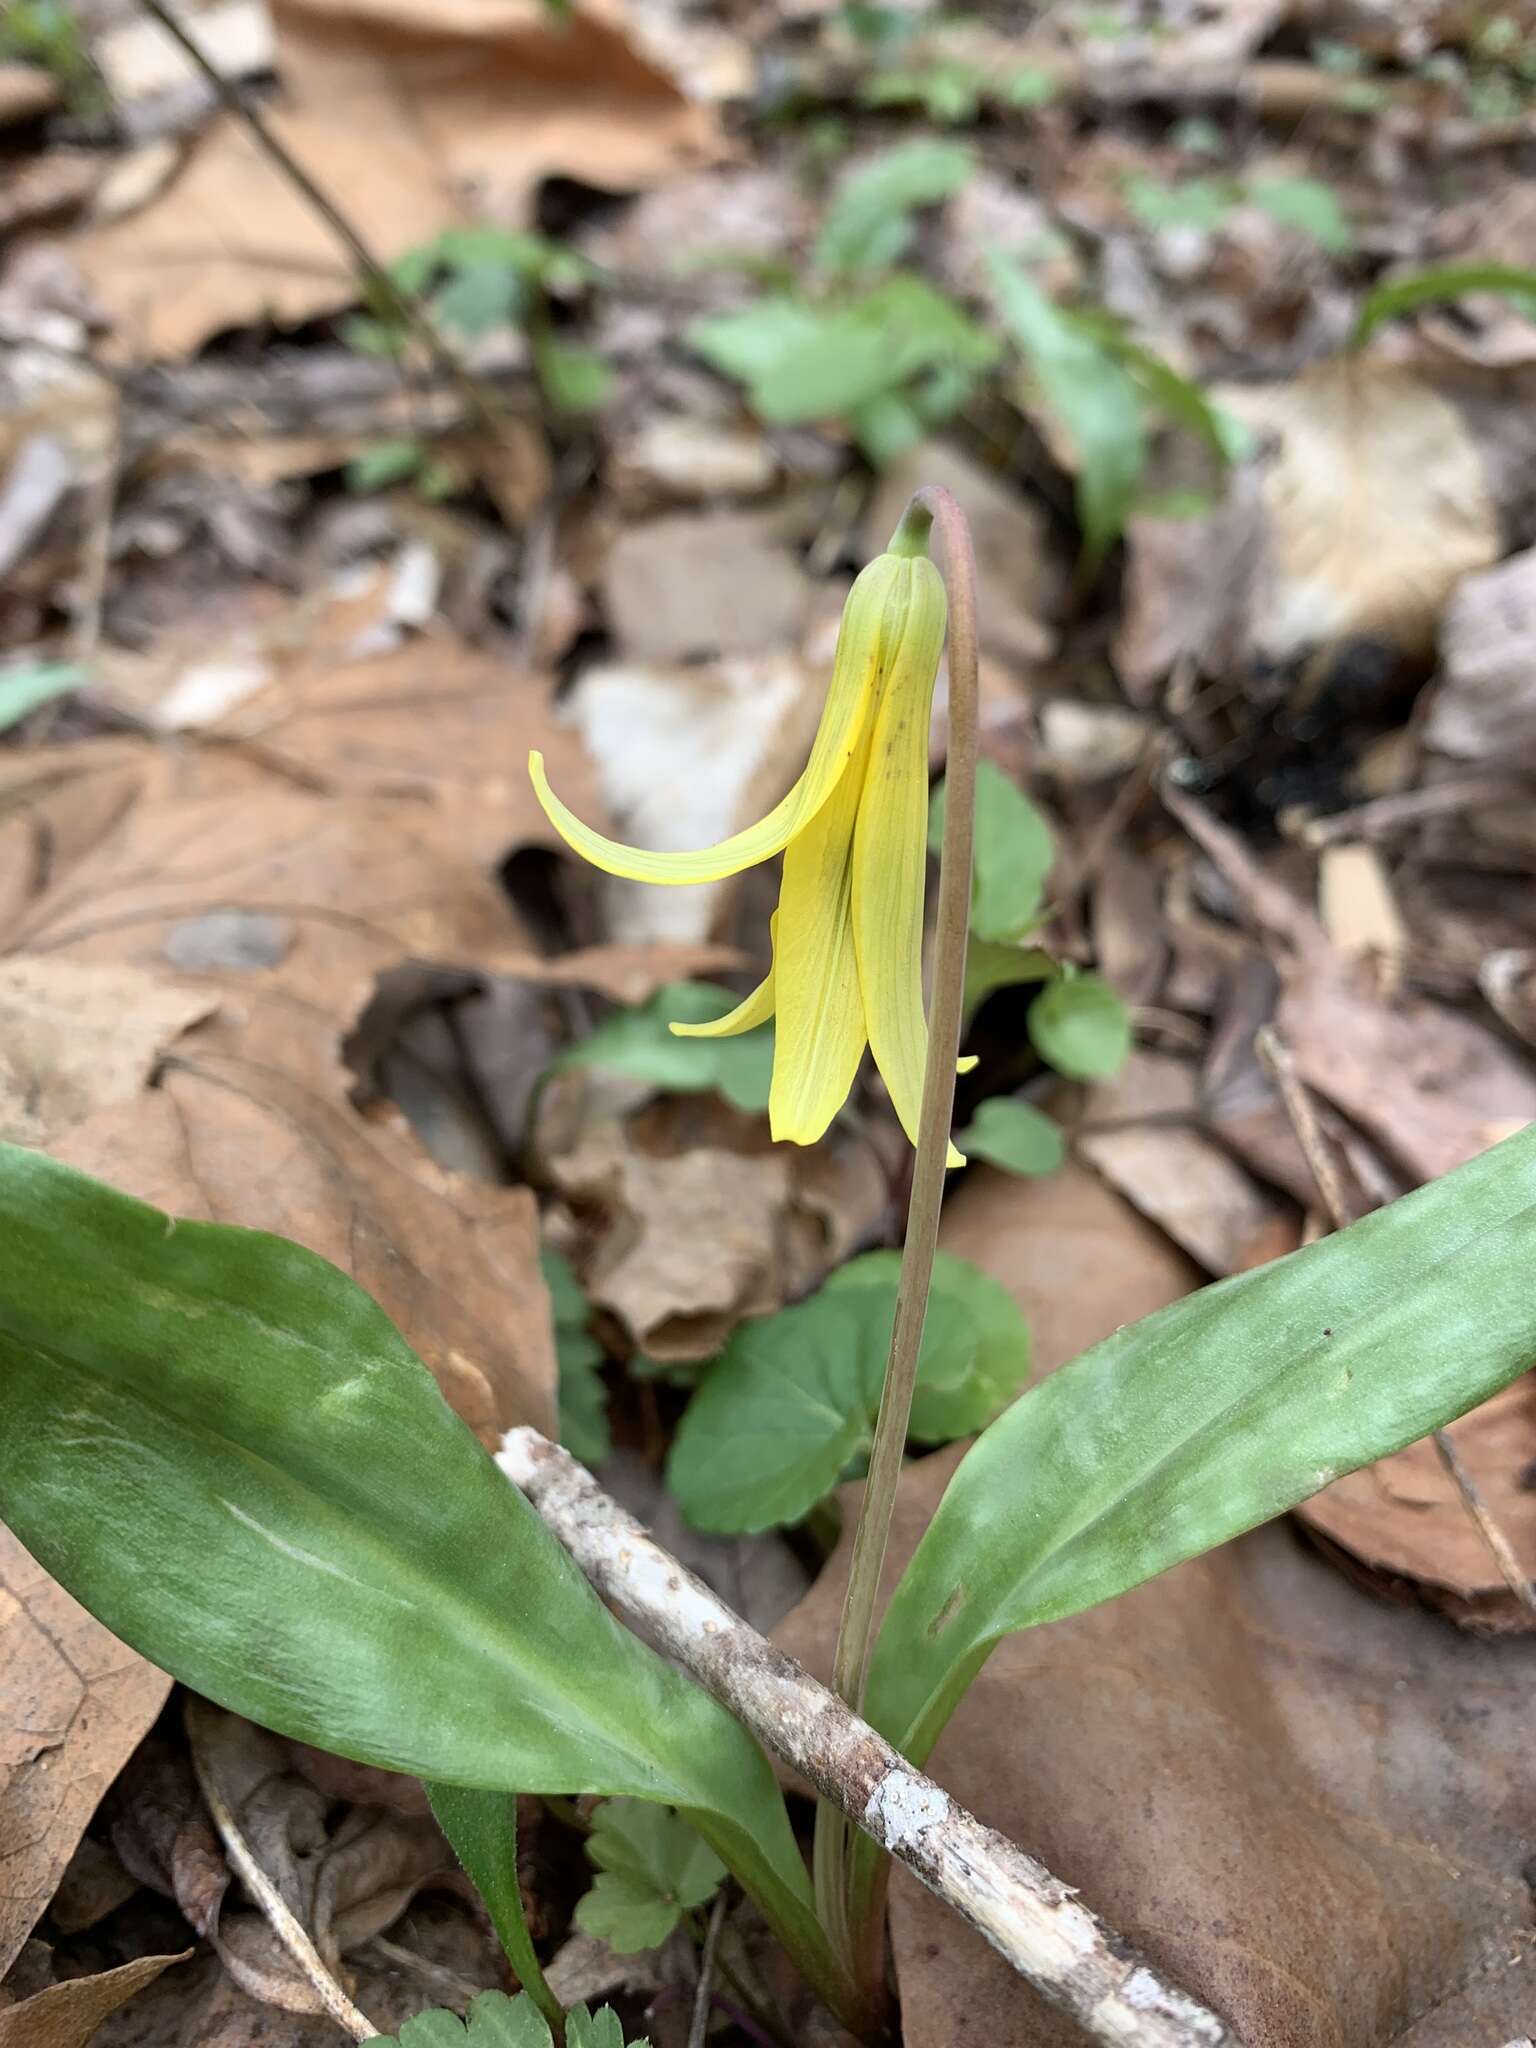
(847, 935)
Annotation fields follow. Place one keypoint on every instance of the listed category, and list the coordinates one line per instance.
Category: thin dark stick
(699, 2025)
(239, 102)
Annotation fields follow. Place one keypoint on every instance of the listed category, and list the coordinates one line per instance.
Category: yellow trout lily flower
(847, 936)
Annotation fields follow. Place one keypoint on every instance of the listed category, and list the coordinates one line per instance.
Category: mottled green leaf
(1209, 1417)
(224, 1449)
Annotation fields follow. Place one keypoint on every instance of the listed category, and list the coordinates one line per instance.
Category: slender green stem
(862, 1946)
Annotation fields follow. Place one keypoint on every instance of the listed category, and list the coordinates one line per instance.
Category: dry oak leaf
(415, 112)
(283, 905)
(73, 1704)
(452, 1262)
(444, 728)
(67, 2015)
(74, 1038)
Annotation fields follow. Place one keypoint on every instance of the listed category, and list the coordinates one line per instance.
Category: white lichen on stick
(1032, 1918)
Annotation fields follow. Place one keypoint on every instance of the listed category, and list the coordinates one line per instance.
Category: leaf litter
(1237, 409)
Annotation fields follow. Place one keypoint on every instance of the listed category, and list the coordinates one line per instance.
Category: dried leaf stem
(1032, 1918)
(306, 1957)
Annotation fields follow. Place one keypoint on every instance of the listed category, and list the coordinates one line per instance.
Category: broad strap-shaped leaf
(1209, 1417)
(226, 1451)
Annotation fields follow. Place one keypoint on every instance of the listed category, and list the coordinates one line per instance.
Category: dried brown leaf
(1406, 1524)
(344, 1884)
(1076, 1257)
(68, 2014)
(1483, 707)
(452, 1262)
(500, 97)
(73, 1703)
(1143, 1135)
(687, 1218)
(1375, 500)
(75, 1038)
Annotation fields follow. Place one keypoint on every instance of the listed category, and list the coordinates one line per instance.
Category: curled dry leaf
(501, 96)
(73, 1703)
(343, 1885)
(1483, 708)
(67, 2015)
(1431, 1085)
(690, 1219)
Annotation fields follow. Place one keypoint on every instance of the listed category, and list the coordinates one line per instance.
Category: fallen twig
(1031, 1918)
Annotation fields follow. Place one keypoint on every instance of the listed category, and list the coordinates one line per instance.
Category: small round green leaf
(1082, 1027)
(1013, 1135)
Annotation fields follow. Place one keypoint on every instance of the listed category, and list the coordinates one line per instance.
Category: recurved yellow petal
(861, 642)
(819, 1009)
(756, 1009)
(890, 854)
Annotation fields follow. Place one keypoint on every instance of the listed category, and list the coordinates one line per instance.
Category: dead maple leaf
(73, 1703)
